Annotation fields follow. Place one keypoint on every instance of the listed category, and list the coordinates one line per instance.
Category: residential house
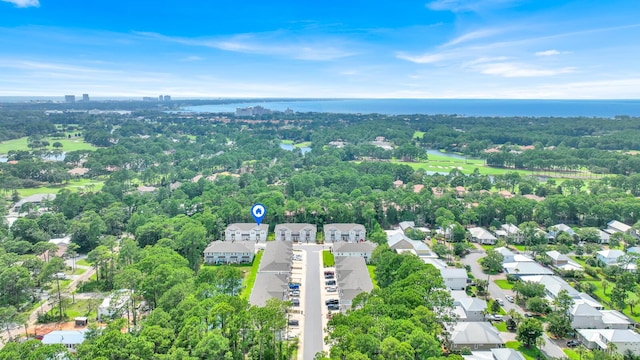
(507, 254)
(604, 236)
(361, 249)
(224, 252)
(474, 335)
(404, 225)
(468, 308)
(615, 226)
(344, 232)
(246, 232)
(482, 236)
(495, 354)
(454, 279)
(555, 230)
(70, 339)
(553, 285)
(634, 250)
(269, 285)
(353, 278)
(601, 338)
(557, 259)
(513, 233)
(114, 305)
(584, 316)
(276, 257)
(303, 233)
(519, 269)
(609, 256)
(35, 200)
(398, 241)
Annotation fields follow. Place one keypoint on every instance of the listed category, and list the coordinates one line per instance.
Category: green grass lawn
(488, 247)
(80, 308)
(286, 142)
(77, 272)
(529, 353)
(504, 284)
(83, 262)
(501, 326)
(327, 259)
(372, 275)
(519, 247)
(250, 277)
(73, 185)
(572, 354)
(303, 144)
(444, 164)
(72, 144)
(418, 134)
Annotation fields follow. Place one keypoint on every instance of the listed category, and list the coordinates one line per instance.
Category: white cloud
(467, 5)
(548, 53)
(267, 44)
(425, 58)
(192, 58)
(24, 3)
(474, 35)
(512, 70)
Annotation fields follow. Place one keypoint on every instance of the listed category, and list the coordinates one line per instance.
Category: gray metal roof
(470, 333)
(230, 247)
(65, 337)
(344, 246)
(268, 286)
(343, 227)
(276, 257)
(295, 227)
(353, 277)
(247, 227)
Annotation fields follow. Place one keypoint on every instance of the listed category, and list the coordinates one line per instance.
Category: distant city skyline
(488, 49)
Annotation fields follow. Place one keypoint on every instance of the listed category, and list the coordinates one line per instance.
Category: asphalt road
(549, 348)
(313, 338)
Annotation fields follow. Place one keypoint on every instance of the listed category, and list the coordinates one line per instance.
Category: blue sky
(350, 48)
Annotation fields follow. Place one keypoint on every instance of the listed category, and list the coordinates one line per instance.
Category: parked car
(328, 277)
(331, 289)
(573, 343)
(329, 272)
(332, 301)
(500, 302)
(509, 298)
(330, 282)
(295, 302)
(333, 307)
(294, 293)
(294, 286)
(294, 322)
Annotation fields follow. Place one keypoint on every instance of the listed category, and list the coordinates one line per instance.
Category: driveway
(550, 349)
(312, 337)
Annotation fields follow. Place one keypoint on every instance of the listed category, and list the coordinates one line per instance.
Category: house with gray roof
(519, 269)
(555, 230)
(35, 199)
(609, 256)
(495, 354)
(404, 225)
(474, 335)
(344, 232)
(634, 250)
(269, 285)
(362, 249)
(454, 279)
(553, 285)
(225, 252)
(585, 316)
(601, 338)
(513, 233)
(615, 226)
(398, 241)
(352, 278)
(468, 308)
(276, 257)
(246, 232)
(482, 236)
(298, 233)
(70, 339)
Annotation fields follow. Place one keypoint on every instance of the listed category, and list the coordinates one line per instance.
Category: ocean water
(465, 107)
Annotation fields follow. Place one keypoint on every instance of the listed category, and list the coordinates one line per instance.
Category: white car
(509, 298)
(331, 289)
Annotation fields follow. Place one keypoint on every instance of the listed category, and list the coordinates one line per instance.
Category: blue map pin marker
(258, 211)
